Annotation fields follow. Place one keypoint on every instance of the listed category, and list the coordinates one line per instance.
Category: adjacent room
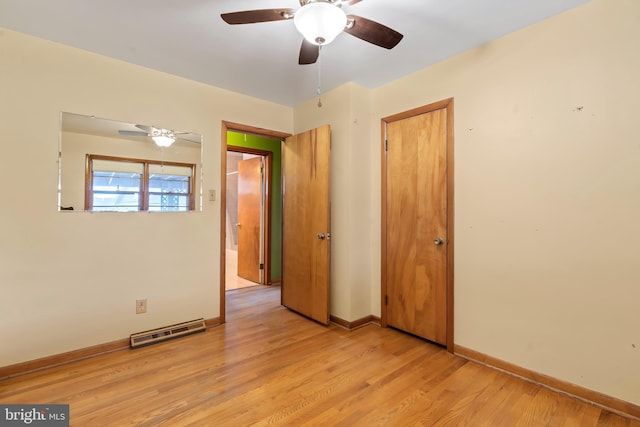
(444, 227)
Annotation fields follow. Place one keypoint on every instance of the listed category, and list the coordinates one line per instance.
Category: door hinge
(261, 266)
(386, 300)
(386, 145)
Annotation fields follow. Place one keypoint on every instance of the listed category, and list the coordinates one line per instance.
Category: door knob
(438, 241)
(238, 225)
(321, 236)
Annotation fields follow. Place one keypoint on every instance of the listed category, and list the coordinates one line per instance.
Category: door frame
(240, 128)
(448, 105)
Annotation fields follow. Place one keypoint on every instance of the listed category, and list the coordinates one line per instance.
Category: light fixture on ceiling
(163, 137)
(320, 21)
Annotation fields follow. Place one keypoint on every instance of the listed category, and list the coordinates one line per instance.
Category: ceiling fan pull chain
(319, 91)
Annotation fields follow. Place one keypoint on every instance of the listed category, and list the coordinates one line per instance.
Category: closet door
(416, 240)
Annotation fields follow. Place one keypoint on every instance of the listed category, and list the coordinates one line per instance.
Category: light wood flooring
(269, 366)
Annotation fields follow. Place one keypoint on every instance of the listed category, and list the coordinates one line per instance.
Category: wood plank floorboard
(269, 366)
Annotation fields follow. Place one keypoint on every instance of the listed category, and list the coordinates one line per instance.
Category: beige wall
(547, 204)
(70, 281)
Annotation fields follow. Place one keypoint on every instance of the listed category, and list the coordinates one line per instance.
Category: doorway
(251, 142)
(306, 212)
(248, 181)
(417, 222)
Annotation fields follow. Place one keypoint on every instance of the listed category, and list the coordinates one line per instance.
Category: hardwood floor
(267, 366)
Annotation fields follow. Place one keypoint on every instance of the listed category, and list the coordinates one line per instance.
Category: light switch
(212, 195)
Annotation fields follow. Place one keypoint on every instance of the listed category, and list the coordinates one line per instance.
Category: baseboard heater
(153, 336)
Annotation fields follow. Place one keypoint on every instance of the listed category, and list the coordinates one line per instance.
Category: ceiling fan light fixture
(163, 140)
(320, 22)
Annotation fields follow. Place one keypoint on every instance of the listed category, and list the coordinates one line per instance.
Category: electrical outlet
(141, 306)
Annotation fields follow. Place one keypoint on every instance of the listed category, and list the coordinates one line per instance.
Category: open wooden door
(250, 200)
(306, 223)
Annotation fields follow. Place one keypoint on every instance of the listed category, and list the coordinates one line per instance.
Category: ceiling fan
(162, 137)
(320, 21)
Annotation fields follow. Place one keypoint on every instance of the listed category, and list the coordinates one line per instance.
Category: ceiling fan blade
(190, 138)
(309, 53)
(352, 2)
(132, 133)
(254, 16)
(373, 32)
(145, 128)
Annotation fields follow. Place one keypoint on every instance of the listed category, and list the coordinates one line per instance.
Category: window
(169, 188)
(115, 185)
(129, 185)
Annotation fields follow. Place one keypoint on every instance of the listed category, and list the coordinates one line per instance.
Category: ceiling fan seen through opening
(320, 21)
(162, 137)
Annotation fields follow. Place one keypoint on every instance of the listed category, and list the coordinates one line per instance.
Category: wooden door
(306, 223)
(416, 224)
(250, 185)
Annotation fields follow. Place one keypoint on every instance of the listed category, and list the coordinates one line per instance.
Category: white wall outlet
(212, 195)
(141, 306)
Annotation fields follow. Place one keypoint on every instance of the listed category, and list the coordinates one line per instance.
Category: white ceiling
(189, 39)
